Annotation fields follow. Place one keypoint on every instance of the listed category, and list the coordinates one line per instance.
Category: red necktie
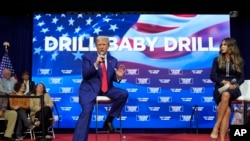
(104, 84)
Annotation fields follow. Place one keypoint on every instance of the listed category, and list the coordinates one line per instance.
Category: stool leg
(96, 119)
(106, 119)
(108, 103)
(120, 127)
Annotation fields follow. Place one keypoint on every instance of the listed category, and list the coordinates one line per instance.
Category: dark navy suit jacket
(90, 85)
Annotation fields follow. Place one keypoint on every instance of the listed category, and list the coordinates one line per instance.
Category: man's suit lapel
(110, 67)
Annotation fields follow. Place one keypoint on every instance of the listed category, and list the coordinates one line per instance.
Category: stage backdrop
(168, 58)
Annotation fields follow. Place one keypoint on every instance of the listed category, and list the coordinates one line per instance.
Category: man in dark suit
(28, 82)
(91, 87)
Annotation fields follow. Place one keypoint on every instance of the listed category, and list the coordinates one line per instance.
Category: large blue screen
(167, 58)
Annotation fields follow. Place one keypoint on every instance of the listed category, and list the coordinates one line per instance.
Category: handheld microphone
(102, 56)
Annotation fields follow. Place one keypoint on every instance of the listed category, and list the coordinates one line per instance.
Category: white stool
(244, 99)
(105, 100)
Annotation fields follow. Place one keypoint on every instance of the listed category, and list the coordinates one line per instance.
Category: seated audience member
(7, 82)
(21, 105)
(9, 115)
(238, 111)
(28, 82)
(36, 111)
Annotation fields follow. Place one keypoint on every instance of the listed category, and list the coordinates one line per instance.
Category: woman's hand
(224, 82)
(233, 86)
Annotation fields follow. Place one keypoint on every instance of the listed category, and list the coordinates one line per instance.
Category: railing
(27, 96)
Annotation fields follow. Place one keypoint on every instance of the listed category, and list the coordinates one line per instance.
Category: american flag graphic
(152, 73)
(129, 26)
(6, 64)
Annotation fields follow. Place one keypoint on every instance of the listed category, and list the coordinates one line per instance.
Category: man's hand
(99, 60)
(120, 71)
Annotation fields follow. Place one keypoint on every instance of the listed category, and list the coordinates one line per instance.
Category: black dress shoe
(108, 126)
(8, 139)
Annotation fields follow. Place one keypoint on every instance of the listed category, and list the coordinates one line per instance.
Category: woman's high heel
(213, 137)
(214, 134)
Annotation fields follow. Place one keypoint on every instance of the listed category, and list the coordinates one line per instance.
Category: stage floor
(138, 137)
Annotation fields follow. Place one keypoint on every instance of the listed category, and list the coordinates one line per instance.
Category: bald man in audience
(7, 82)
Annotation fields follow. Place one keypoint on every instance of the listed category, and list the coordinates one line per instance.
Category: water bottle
(124, 138)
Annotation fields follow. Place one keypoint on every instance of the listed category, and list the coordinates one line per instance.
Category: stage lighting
(233, 14)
